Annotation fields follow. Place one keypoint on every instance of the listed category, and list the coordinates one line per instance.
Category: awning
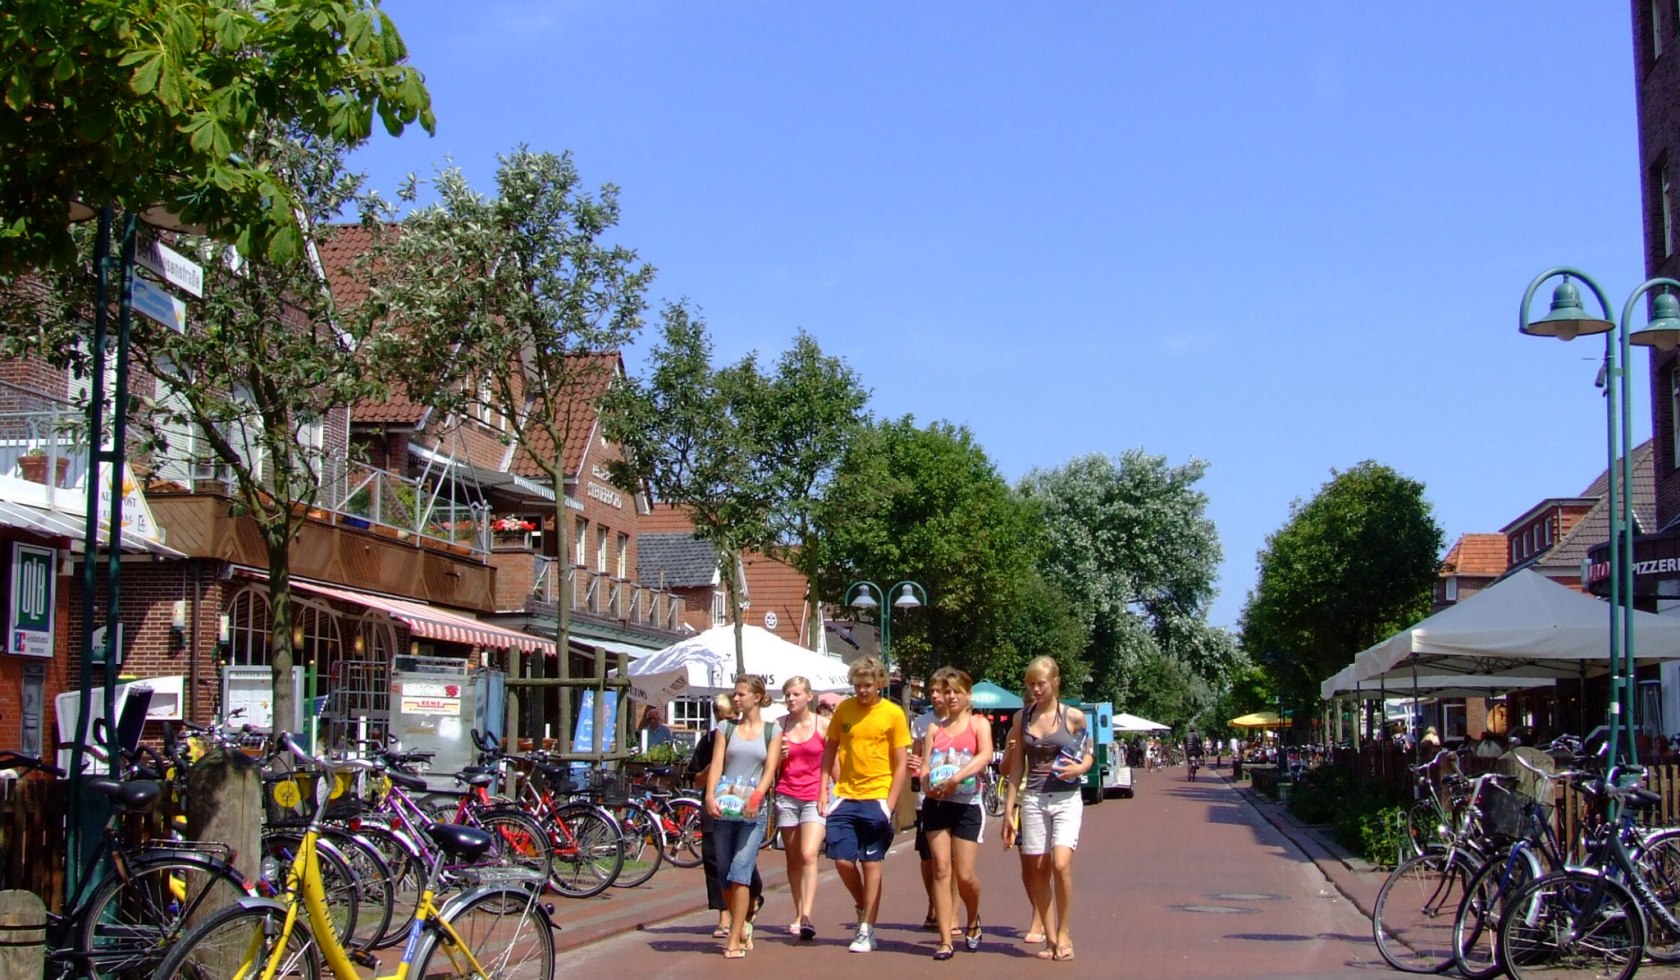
(60, 523)
(464, 469)
(612, 646)
(434, 623)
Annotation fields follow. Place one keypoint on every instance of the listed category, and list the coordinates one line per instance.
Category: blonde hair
(1048, 669)
(755, 684)
(723, 706)
(796, 681)
(868, 668)
(953, 677)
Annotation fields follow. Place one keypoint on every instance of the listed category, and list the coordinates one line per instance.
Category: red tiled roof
(339, 247)
(1476, 554)
(577, 417)
(774, 586)
(664, 519)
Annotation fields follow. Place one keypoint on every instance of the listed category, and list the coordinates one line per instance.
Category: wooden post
(23, 936)
(224, 803)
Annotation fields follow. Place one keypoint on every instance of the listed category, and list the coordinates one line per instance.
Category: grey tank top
(1042, 750)
(743, 766)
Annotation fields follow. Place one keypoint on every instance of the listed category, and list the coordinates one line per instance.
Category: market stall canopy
(1523, 626)
(1429, 685)
(1260, 719)
(704, 664)
(988, 696)
(1124, 722)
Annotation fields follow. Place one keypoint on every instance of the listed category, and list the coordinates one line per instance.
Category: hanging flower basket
(511, 532)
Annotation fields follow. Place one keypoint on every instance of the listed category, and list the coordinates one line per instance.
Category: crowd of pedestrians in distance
(838, 771)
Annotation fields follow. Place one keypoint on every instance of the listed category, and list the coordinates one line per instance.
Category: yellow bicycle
(495, 929)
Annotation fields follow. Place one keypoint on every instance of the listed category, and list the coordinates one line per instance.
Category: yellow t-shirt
(866, 738)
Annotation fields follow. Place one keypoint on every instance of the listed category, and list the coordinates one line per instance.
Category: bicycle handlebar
(286, 743)
(16, 760)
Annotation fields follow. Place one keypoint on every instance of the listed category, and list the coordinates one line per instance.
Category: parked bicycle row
(1495, 887)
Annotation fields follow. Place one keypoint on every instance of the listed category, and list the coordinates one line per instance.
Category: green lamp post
(909, 595)
(1567, 320)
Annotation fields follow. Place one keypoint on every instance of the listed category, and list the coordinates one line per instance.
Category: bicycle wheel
(520, 839)
(682, 834)
(375, 888)
(1423, 828)
(1413, 920)
(506, 932)
(1571, 923)
(235, 944)
(337, 880)
(130, 922)
(992, 798)
(408, 872)
(644, 845)
(586, 850)
(1659, 862)
(1476, 925)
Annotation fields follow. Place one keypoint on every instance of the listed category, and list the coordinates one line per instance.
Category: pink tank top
(801, 768)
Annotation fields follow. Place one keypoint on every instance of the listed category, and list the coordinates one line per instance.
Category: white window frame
(1451, 591)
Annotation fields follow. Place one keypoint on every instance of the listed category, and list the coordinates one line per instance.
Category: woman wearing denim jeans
(741, 774)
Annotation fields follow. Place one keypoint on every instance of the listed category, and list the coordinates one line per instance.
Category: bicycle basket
(1504, 812)
(289, 798)
(613, 786)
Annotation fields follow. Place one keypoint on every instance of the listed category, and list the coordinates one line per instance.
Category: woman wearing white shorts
(1053, 743)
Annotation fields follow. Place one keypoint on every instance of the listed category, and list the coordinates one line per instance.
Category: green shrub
(1380, 834)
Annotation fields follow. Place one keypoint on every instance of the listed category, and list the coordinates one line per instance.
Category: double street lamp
(905, 595)
(1566, 321)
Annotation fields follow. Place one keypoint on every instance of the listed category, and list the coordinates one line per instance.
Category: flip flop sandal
(944, 952)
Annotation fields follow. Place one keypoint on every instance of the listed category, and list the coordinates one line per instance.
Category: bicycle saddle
(460, 841)
(405, 780)
(474, 778)
(136, 794)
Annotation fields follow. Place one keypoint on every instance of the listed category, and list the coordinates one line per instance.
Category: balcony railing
(603, 594)
(44, 429)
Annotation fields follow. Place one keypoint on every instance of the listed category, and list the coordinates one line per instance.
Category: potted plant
(657, 756)
(33, 465)
(511, 531)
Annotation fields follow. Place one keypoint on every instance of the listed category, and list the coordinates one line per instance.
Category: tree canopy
(928, 505)
(1352, 565)
(1130, 546)
(142, 103)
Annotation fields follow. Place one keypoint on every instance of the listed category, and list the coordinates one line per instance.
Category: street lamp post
(1566, 321)
(909, 595)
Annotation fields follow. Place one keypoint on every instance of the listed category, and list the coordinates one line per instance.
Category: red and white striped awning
(434, 623)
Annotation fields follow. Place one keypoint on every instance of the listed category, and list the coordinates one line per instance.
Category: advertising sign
(29, 619)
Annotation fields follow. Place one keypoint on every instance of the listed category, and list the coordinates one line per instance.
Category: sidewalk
(1357, 879)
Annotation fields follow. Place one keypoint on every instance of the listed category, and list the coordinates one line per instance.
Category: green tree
(812, 407)
(689, 433)
(261, 367)
(1351, 566)
(512, 306)
(136, 103)
(1129, 543)
(927, 504)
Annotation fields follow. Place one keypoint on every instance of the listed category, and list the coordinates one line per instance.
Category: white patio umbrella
(1126, 722)
(704, 664)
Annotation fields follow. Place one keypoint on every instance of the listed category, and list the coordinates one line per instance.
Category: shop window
(248, 621)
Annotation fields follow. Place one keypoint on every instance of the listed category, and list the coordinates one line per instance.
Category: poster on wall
(29, 613)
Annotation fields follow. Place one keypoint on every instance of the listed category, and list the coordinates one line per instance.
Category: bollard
(23, 935)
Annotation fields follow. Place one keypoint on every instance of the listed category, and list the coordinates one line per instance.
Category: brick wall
(1657, 85)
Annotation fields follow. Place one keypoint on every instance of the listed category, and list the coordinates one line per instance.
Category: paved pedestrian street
(1182, 880)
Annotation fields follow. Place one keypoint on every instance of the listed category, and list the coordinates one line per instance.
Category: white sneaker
(865, 941)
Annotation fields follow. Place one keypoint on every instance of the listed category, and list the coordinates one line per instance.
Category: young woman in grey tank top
(1051, 745)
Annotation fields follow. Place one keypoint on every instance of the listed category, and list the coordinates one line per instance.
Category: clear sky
(1279, 237)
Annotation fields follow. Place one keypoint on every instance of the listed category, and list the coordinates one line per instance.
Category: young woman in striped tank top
(953, 753)
(801, 798)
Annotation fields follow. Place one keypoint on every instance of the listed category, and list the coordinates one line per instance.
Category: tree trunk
(280, 630)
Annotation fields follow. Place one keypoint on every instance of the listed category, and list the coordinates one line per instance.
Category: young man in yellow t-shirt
(867, 756)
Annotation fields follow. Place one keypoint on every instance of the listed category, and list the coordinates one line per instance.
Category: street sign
(29, 626)
(175, 268)
(156, 304)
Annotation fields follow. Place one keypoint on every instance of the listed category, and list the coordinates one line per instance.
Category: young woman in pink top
(955, 750)
(801, 799)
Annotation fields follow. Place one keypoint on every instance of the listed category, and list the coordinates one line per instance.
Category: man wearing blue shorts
(867, 756)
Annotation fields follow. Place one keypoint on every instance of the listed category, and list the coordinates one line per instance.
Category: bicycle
(120, 923)
(679, 814)
(991, 783)
(496, 930)
(1413, 916)
(1593, 917)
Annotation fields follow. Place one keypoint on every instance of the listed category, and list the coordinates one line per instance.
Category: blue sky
(1282, 238)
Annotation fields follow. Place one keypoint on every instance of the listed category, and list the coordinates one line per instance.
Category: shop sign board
(29, 619)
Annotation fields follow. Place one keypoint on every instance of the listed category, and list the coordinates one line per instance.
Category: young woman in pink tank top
(801, 799)
(954, 751)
